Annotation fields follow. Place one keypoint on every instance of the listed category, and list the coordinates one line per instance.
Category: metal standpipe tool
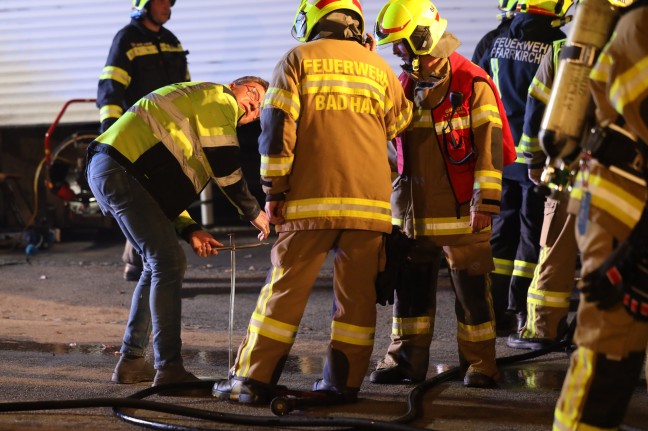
(233, 248)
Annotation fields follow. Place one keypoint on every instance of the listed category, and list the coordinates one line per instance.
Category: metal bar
(238, 247)
(232, 294)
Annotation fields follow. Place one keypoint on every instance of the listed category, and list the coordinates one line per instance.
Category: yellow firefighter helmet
(140, 8)
(545, 7)
(507, 5)
(311, 11)
(417, 22)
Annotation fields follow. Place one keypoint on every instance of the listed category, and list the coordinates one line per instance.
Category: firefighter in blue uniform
(512, 61)
(506, 16)
(143, 57)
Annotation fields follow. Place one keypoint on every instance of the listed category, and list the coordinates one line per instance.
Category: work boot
(132, 272)
(173, 373)
(244, 391)
(515, 341)
(392, 375)
(133, 369)
(474, 379)
(350, 395)
(520, 318)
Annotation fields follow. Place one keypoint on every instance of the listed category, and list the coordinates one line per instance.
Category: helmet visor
(299, 27)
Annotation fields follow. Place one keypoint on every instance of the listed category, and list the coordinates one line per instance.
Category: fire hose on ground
(138, 400)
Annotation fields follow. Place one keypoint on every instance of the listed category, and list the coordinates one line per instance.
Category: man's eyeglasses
(253, 93)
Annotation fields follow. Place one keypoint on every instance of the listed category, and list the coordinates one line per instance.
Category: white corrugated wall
(53, 50)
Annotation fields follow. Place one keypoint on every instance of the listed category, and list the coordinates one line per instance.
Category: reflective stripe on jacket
(139, 61)
(175, 139)
(330, 109)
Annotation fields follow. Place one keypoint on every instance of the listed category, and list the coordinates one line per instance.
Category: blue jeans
(156, 304)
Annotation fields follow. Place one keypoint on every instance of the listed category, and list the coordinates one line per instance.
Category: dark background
(22, 150)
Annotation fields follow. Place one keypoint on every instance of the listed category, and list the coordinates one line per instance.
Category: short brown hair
(245, 79)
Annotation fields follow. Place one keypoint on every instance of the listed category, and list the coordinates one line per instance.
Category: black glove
(635, 295)
(622, 277)
(604, 285)
(397, 246)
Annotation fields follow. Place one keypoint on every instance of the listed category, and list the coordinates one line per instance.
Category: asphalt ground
(63, 311)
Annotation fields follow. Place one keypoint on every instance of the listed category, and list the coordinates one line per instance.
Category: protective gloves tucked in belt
(623, 276)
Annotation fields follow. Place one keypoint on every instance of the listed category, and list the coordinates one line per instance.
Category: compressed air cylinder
(565, 117)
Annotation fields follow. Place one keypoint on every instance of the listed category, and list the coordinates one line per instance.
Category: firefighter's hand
(274, 211)
(261, 222)
(370, 42)
(480, 220)
(203, 244)
(535, 175)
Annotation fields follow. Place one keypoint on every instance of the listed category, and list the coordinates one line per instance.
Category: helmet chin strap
(414, 72)
(411, 68)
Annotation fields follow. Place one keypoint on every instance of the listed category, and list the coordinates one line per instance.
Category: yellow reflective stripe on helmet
(548, 298)
(116, 74)
(523, 269)
(574, 393)
(443, 226)
(283, 100)
(141, 50)
(610, 198)
(486, 114)
(538, 90)
(276, 166)
(110, 111)
(338, 207)
(503, 266)
(486, 179)
(474, 333)
(352, 334)
(411, 325)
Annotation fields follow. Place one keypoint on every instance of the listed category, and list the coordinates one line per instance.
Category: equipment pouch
(555, 214)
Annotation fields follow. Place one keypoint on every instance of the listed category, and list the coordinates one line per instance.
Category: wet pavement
(63, 311)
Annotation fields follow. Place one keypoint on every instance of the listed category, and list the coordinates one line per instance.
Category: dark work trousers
(515, 243)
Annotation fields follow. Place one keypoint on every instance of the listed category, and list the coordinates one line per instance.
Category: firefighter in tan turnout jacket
(607, 201)
(331, 107)
(448, 189)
